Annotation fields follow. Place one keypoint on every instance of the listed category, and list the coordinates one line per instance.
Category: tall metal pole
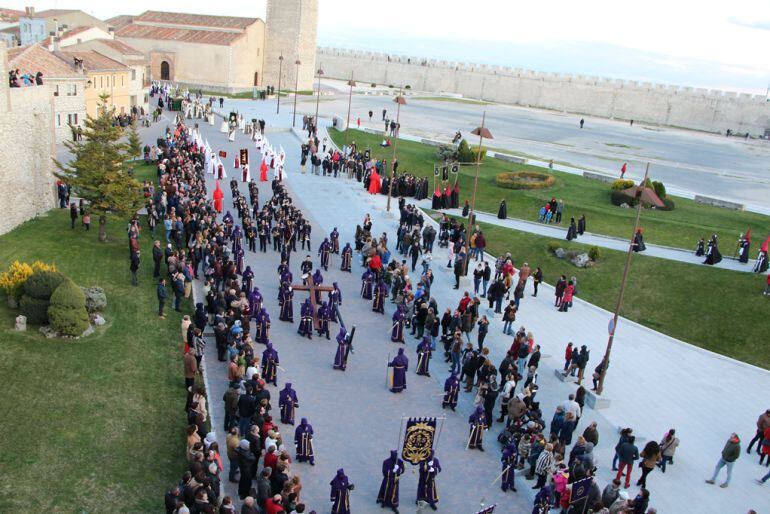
(280, 72)
(399, 100)
(296, 84)
(624, 280)
(473, 198)
(350, 102)
(318, 98)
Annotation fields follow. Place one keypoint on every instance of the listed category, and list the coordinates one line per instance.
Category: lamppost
(614, 326)
(318, 98)
(280, 71)
(296, 84)
(399, 100)
(352, 84)
(483, 133)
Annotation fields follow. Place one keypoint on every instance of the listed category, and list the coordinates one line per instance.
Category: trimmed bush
(67, 311)
(553, 246)
(618, 198)
(467, 153)
(669, 204)
(659, 189)
(621, 184)
(524, 180)
(594, 253)
(35, 309)
(407, 86)
(42, 284)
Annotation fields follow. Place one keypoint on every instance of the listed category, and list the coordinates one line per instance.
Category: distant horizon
(654, 41)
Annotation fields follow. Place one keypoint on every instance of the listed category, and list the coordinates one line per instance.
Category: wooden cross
(312, 288)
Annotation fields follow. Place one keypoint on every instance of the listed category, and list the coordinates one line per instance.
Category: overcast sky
(703, 43)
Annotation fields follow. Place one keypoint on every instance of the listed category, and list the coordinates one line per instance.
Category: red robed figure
(263, 171)
(218, 196)
(374, 182)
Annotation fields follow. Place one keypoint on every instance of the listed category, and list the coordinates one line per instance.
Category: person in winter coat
(628, 453)
(730, 453)
(763, 422)
(667, 449)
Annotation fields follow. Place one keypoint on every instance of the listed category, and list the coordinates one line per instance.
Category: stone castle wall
(660, 104)
(291, 31)
(26, 169)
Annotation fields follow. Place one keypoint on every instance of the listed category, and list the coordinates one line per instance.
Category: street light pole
(623, 282)
(296, 84)
(400, 100)
(280, 71)
(351, 83)
(482, 132)
(318, 99)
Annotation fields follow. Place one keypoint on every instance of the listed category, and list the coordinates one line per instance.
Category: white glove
(395, 468)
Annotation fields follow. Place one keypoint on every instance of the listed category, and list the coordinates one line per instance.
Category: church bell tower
(291, 31)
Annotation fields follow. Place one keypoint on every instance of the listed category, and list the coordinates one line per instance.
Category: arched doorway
(256, 78)
(164, 71)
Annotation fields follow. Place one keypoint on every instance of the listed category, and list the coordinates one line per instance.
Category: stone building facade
(660, 104)
(66, 84)
(291, 32)
(27, 184)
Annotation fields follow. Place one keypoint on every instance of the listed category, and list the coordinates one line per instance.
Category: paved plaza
(654, 382)
(687, 162)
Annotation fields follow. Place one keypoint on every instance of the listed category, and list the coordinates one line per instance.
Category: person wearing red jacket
(566, 301)
(567, 356)
(273, 505)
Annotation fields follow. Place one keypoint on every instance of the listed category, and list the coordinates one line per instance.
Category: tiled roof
(121, 47)
(199, 20)
(94, 61)
(210, 37)
(53, 12)
(66, 35)
(34, 58)
(119, 21)
(10, 14)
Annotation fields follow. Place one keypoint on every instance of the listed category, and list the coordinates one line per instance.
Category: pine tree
(134, 143)
(97, 171)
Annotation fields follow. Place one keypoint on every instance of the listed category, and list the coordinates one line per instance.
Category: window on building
(73, 90)
(58, 120)
(133, 74)
(72, 119)
(56, 90)
(114, 83)
(101, 82)
(122, 79)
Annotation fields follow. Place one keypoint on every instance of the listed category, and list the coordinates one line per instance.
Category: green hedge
(524, 180)
(42, 284)
(67, 311)
(35, 309)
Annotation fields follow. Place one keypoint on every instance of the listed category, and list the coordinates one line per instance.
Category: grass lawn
(248, 95)
(681, 227)
(92, 425)
(720, 310)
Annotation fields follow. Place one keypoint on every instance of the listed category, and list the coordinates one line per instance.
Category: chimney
(78, 65)
(30, 11)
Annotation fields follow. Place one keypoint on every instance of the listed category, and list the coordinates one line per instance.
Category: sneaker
(723, 486)
(710, 482)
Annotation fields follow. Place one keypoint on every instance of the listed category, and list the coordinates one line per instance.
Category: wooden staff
(501, 474)
(387, 371)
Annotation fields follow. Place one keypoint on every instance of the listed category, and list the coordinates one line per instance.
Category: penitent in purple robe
(451, 388)
(287, 307)
(343, 349)
(287, 401)
(400, 365)
(303, 441)
(263, 326)
(255, 302)
(399, 319)
(324, 317)
(426, 486)
(392, 468)
(380, 295)
(270, 365)
(306, 320)
(340, 493)
(334, 239)
(367, 285)
(423, 357)
(509, 458)
(478, 423)
(347, 258)
(318, 279)
(323, 251)
(248, 279)
(335, 300)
